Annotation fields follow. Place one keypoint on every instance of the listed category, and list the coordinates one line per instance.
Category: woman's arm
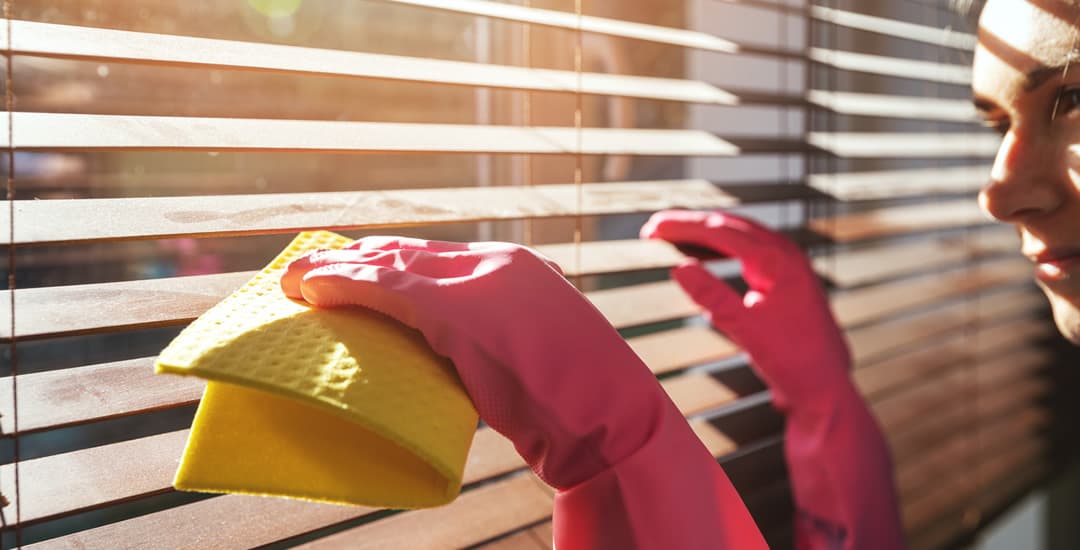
(546, 369)
(840, 468)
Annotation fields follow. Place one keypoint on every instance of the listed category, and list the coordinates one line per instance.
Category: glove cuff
(671, 493)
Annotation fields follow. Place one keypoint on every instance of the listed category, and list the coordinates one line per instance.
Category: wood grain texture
(900, 219)
(55, 131)
(98, 44)
(889, 184)
(928, 34)
(231, 215)
(586, 23)
(915, 69)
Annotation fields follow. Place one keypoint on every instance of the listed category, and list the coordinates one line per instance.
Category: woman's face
(1027, 85)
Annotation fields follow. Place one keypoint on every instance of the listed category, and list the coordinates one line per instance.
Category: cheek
(1066, 315)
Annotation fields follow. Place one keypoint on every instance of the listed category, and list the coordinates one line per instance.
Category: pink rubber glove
(839, 464)
(547, 370)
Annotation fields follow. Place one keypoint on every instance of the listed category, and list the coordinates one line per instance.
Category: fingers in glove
(723, 304)
(389, 291)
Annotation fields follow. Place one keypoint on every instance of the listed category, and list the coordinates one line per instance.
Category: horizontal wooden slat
(267, 520)
(848, 103)
(52, 131)
(907, 406)
(82, 309)
(946, 73)
(223, 215)
(51, 492)
(900, 219)
(597, 257)
(865, 265)
(855, 186)
(988, 335)
(913, 439)
(80, 395)
(72, 42)
(976, 511)
(855, 307)
(54, 399)
(916, 475)
(586, 23)
(873, 343)
(905, 145)
(993, 467)
(473, 518)
(892, 27)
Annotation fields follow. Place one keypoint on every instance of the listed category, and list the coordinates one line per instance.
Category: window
(161, 151)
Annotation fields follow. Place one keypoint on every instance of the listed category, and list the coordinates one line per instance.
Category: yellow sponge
(335, 405)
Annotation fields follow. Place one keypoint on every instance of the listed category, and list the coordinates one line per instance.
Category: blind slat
(896, 219)
(223, 215)
(94, 308)
(53, 131)
(85, 479)
(848, 103)
(866, 265)
(930, 71)
(472, 518)
(856, 186)
(73, 42)
(892, 27)
(939, 462)
(905, 145)
(571, 21)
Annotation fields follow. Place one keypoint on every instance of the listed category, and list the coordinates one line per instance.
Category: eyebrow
(1039, 76)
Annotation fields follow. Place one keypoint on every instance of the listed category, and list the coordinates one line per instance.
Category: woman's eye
(1067, 101)
(999, 126)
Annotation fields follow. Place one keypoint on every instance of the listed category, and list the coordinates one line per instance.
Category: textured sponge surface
(338, 405)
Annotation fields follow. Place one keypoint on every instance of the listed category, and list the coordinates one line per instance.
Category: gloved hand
(546, 369)
(839, 464)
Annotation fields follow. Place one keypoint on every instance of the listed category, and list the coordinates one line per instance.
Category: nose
(1026, 179)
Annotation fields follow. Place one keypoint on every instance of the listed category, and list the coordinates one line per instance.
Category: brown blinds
(159, 152)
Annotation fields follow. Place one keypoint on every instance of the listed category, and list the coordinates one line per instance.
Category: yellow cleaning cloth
(334, 405)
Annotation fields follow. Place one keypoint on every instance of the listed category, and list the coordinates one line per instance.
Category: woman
(546, 369)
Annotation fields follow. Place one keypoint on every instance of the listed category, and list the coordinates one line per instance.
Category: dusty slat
(971, 513)
(872, 263)
(908, 406)
(888, 375)
(54, 399)
(81, 395)
(226, 215)
(93, 308)
(682, 347)
(74, 42)
(59, 484)
(895, 106)
(912, 440)
(474, 517)
(930, 71)
(996, 464)
(63, 484)
(83, 309)
(587, 23)
(963, 448)
(522, 540)
(891, 27)
(855, 307)
(52, 131)
(900, 219)
(643, 304)
(595, 257)
(888, 184)
(874, 343)
(905, 145)
(697, 393)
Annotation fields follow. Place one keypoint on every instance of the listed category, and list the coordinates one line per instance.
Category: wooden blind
(159, 152)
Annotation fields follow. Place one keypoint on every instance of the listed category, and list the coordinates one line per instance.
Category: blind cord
(9, 103)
